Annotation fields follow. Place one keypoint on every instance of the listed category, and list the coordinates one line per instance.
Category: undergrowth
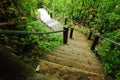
(44, 42)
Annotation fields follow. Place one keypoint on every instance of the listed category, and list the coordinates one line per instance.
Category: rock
(83, 78)
(38, 68)
(37, 77)
(1, 78)
(52, 77)
(53, 71)
(61, 74)
(12, 68)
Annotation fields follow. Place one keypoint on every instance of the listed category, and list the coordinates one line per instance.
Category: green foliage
(84, 31)
(109, 57)
(22, 13)
(104, 16)
(110, 22)
(28, 8)
(62, 10)
(118, 75)
(27, 58)
(45, 42)
(36, 26)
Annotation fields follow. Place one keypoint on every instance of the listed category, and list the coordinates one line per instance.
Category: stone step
(55, 25)
(74, 49)
(77, 54)
(86, 67)
(61, 72)
(78, 59)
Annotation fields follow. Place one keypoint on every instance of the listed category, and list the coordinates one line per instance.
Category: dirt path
(74, 61)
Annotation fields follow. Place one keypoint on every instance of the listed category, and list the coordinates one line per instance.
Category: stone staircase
(74, 61)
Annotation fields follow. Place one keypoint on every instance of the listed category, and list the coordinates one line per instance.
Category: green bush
(110, 57)
(45, 42)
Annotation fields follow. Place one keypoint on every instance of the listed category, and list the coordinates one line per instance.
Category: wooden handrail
(96, 39)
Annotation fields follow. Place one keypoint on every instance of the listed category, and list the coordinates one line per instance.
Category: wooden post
(96, 39)
(71, 33)
(65, 21)
(65, 35)
(48, 10)
(51, 14)
(90, 34)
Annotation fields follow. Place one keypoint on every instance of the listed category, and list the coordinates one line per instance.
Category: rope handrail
(65, 33)
(27, 32)
(112, 41)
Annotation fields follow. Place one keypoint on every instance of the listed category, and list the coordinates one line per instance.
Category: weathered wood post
(71, 33)
(65, 21)
(96, 39)
(65, 35)
(51, 14)
(90, 34)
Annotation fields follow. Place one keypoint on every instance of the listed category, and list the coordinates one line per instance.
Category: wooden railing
(97, 36)
(65, 33)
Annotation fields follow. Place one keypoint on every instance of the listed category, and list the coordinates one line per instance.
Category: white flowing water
(45, 17)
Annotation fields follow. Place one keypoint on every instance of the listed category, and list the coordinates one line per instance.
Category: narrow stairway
(73, 61)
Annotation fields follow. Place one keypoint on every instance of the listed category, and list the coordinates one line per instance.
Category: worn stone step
(77, 46)
(77, 54)
(74, 49)
(86, 67)
(55, 25)
(78, 59)
(61, 72)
